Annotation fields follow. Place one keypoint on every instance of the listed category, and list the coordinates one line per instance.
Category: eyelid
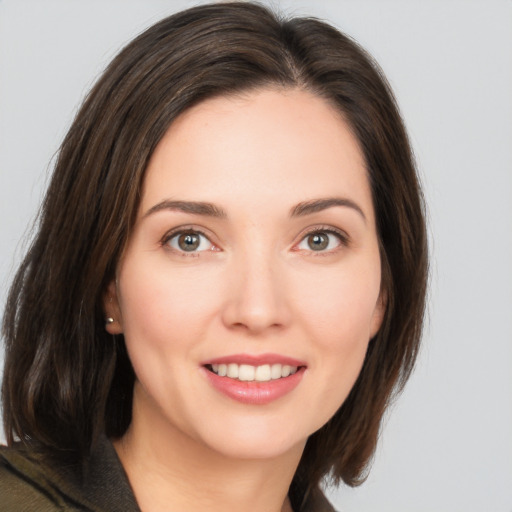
(342, 235)
(180, 230)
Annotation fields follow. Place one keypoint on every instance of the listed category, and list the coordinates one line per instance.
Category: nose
(256, 300)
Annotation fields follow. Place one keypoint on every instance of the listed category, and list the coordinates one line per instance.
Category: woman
(227, 284)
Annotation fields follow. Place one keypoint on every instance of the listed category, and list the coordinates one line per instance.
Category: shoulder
(32, 482)
(317, 502)
(28, 485)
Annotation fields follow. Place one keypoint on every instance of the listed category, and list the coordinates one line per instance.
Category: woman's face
(254, 254)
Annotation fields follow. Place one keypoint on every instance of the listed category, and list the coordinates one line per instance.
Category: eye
(189, 241)
(322, 241)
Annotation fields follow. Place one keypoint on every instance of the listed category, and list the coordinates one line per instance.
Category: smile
(254, 380)
(249, 373)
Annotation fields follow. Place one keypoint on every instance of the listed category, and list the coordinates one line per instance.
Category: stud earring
(109, 320)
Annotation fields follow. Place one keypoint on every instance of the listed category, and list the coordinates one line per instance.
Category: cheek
(340, 326)
(162, 307)
(337, 314)
(340, 307)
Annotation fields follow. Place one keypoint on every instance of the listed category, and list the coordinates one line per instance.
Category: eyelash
(182, 230)
(328, 230)
(342, 237)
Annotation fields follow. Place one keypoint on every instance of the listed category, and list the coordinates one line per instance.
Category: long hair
(66, 380)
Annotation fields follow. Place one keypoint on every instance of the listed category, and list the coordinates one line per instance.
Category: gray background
(447, 444)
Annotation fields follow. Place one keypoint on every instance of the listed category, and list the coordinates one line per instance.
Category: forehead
(285, 145)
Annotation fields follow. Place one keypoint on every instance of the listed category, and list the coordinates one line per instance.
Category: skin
(254, 286)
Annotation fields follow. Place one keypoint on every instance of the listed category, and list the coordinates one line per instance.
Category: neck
(168, 470)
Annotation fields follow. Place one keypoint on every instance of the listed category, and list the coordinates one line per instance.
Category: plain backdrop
(447, 444)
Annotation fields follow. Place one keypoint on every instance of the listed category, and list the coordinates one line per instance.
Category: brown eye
(318, 241)
(322, 241)
(189, 241)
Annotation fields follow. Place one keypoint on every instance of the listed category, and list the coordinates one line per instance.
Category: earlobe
(378, 314)
(111, 309)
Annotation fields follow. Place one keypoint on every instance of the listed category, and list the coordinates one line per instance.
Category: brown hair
(66, 380)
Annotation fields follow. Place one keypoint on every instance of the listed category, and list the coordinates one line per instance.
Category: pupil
(318, 241)
(188, 242)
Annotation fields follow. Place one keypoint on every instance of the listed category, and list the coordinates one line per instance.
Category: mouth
(250, 373)
(255, 380)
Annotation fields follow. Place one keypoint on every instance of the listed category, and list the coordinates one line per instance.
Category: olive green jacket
(27, 484)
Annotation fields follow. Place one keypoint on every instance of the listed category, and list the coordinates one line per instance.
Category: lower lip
(254, 392)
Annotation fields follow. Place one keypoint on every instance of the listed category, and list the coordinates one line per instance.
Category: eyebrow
(318, 205)
(194, 207)
(211, 210)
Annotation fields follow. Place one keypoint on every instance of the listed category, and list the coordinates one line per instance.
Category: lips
(256, 380)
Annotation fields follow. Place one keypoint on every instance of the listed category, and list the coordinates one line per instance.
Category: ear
(378, 313)
(112, 310)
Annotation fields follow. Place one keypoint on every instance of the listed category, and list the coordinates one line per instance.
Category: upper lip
(255, 360)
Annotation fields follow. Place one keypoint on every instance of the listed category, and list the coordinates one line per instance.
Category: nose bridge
(257, 293)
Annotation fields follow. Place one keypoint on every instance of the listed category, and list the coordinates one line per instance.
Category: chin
(251, 437)
(254, 446)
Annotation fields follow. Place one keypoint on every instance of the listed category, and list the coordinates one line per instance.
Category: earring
(109, 320)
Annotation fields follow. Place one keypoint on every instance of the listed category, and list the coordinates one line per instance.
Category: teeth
(263, 373)
(232, 371)
(248, 373)
(275, 371)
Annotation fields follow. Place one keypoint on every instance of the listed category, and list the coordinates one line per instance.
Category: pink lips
(255, 360)
(255, 392)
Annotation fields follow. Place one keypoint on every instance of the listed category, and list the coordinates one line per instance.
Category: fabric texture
(28, 483)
